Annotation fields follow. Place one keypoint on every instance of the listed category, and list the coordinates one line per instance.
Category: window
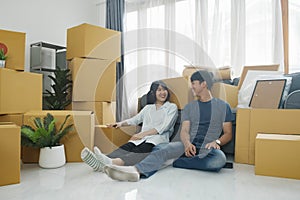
(294, 35)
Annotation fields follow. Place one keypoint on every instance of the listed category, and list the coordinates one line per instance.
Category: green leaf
(38, 122)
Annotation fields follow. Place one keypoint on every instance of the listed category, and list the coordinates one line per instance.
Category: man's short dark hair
(203, 75)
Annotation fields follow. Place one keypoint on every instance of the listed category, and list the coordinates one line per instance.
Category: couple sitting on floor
(202, 123)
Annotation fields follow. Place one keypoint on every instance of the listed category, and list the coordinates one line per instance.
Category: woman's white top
(162, 119)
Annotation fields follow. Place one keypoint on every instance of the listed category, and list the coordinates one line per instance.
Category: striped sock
(90, 159)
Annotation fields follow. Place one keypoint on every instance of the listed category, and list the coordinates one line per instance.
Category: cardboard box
(180, 91)
(19, 91)
(14, 118)
(14, 43)
(277, 155)
(81, 136)
(250, 122)
(93, 79)
(105, 112)
(109, 139)
(89, 41)
(226, 92)
(223, 73)
(10, 154)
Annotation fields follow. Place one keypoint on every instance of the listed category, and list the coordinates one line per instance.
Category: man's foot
(122, 173)
(90, 159)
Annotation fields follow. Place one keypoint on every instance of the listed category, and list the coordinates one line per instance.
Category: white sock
(128, 169)
(122, 173)
(101, 157)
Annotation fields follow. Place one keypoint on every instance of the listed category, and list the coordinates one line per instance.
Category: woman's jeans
(161, 153)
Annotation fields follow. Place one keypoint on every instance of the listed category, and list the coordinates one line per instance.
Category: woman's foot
(101, 157)
(91, 160)
(122, 173)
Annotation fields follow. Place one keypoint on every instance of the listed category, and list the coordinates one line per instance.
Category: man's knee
(218, 160)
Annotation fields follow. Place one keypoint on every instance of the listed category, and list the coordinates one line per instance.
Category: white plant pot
(2, 63)
(52, 157)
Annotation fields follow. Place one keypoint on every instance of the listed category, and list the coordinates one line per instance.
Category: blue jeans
(214, 161)
(159, 155)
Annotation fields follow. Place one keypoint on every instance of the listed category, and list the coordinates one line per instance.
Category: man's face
(197, 87)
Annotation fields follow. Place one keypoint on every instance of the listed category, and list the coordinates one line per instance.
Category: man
(203, 121)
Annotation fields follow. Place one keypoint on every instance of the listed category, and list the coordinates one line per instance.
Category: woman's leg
(214, 161)
(137, 154)
(124, 149)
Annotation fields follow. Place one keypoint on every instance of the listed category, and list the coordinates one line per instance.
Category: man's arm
(227, 130)
(190, 149)
(224, 139)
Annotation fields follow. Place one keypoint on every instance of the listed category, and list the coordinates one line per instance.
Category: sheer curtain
(162, 36)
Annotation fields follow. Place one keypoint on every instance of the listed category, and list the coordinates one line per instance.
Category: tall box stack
(19, 92)
(93, 53)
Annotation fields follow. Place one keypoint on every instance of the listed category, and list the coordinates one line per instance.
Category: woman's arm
(140, 135)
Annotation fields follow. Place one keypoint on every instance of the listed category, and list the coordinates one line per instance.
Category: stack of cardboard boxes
(268, 138)
(20, 102)
(92, 54)
(19, 92)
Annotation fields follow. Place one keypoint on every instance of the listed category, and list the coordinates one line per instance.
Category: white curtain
(162, 36)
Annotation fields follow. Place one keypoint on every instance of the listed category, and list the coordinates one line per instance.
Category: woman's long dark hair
(151, 95)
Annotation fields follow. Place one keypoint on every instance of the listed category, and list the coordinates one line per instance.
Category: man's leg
(147, 167)
(214, 161)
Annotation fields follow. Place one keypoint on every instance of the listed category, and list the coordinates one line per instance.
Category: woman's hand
(137, 136)
(116, 125)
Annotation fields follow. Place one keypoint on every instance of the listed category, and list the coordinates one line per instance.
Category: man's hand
(213, 145)
(190, 150)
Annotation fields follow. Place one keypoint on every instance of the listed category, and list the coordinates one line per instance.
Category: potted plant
(2, 57)
(45, 136)
(62, 87)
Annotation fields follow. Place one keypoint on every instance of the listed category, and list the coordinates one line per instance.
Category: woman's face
(161, 94)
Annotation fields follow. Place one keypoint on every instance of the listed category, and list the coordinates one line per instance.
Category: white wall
(46, 20)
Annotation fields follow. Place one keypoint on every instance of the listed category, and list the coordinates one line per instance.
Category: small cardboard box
(93, 79)
(19, 91)
(250, 122)
(14, 43)
(14, 118)
(180, 91)
(10, 153)
(109, 139)
(223, 73)
(90, 41)
(277, 155)
(81, 136)
(105, 112)
(226, 92)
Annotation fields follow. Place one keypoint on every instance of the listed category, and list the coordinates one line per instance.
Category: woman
(158, 120)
